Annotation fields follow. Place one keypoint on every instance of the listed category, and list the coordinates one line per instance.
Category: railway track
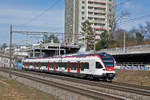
(129, 88)
(96, 95)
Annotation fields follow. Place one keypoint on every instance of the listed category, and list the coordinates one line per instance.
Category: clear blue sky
(48, 15)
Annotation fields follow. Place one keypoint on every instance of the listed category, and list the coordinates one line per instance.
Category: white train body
(100, 66)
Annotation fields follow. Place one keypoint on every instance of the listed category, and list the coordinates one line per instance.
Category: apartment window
(90, 7)
(90, 2)
(83, 13)
(99, 24)
(83, 7)
(99, 30)
(97, 8)
(99, 19)
(100, 3)
(83, 18)
(90, 18)
(83, 2)
(109, 10)
(90, 13)
(97, 14)
(110, 5)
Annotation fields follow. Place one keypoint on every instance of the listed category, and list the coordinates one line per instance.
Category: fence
(133, 67)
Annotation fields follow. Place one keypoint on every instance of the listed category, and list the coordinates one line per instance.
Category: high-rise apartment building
(99, 12)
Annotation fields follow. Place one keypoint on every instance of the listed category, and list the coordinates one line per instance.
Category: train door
(39, 66)
(68, 67)
(54, 66)
(28, 65)
(34, 66)
(92, 66)
(78, 67)
(48, 66)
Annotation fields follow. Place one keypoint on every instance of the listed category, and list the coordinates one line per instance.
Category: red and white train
(95, 66)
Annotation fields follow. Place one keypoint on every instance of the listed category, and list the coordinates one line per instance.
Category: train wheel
(109, 80)
(96, 79)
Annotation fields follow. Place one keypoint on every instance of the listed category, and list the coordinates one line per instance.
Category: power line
(42, 13)
(36, 33)
(121, 3)
(137, 18)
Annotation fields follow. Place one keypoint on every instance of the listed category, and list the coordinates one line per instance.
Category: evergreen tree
(103, 43)
(88, 34)
(53, 38)
(4, 45)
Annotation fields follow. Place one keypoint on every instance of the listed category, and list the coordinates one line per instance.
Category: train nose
(110, 75)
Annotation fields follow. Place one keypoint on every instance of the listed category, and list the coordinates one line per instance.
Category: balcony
(96, 16)
(96, 11)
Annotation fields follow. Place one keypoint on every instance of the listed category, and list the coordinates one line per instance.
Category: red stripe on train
(109, 68)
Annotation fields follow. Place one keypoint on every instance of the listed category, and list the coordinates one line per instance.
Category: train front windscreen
(108, 62)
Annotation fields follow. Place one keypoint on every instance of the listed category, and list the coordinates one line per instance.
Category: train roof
(78, 55)
(100, 54)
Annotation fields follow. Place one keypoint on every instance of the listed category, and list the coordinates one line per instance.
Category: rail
(97, 95)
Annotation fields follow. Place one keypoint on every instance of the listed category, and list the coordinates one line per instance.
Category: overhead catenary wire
(135, 19)
(53, 4)
(41, 14)
(121, 3)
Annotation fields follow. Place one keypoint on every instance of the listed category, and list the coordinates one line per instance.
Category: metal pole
(41, 49)
(10, 52)
(94, 42)
(59, 48)
(124, 42)
(33, 52)
(85, 45)
(94, 46)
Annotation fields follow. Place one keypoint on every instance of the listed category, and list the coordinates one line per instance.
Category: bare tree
(139, 37)
(142, 30)
(115, 19)
(148, 28)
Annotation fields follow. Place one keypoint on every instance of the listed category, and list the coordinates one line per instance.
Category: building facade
(99, 12)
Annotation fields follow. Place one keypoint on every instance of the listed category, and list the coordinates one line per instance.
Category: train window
(31, 64)
(82, 69)
(73, 65)
(64, 65)
(84, 65)
(61, 64)
(108, 60)
(51, 65)
(98, 65)
(45, 64)
(35, 64)
(57, 65)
